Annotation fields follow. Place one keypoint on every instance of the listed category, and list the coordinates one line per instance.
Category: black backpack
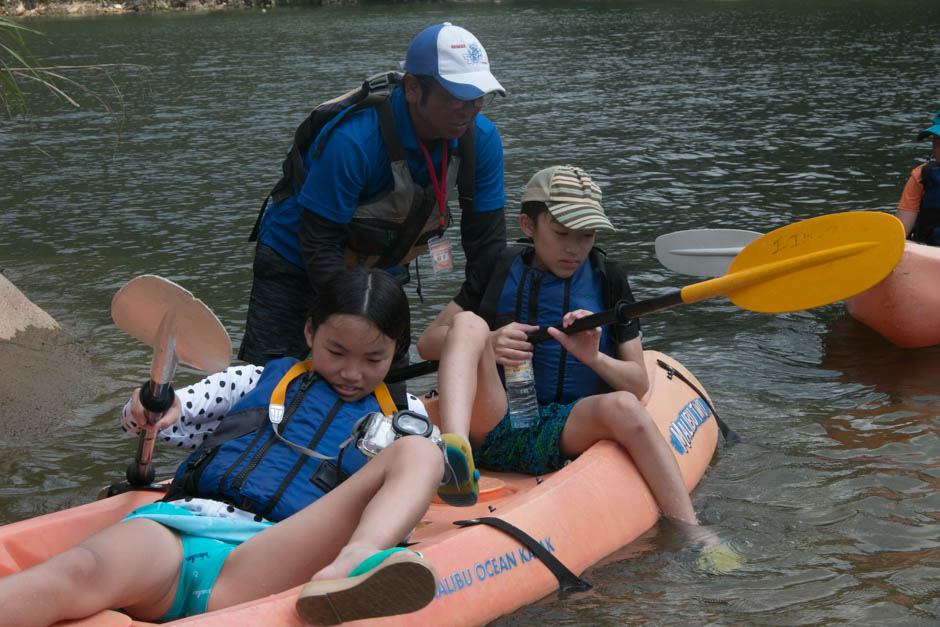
(374, 91)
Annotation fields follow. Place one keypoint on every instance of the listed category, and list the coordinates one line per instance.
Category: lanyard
(440, 191)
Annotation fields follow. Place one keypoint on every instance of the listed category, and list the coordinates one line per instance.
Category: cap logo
(475, 55)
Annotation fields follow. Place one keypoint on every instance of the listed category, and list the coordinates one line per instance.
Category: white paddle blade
(702, 252)
(200, 339)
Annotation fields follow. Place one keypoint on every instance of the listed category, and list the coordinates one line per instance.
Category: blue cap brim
(927, 132)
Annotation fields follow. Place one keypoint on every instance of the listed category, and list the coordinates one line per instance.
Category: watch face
(408, 423)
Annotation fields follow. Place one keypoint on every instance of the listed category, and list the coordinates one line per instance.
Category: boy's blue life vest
(517, 292)
(927, 227)
(246, 464)
(394, 227)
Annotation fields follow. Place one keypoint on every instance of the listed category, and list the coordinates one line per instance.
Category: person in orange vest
(919, 208)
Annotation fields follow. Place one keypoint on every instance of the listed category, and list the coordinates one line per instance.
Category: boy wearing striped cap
(589, 384)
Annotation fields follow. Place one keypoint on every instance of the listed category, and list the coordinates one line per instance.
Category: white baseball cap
(454, 57)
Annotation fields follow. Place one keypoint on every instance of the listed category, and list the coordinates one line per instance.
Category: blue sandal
(394, 581)
(461, 487)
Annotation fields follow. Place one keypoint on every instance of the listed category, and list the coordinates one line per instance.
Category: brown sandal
(394, 581)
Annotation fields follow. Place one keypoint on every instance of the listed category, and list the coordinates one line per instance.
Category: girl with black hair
(276, 493)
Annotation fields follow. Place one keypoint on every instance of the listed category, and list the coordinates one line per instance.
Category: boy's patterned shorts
(534, 450)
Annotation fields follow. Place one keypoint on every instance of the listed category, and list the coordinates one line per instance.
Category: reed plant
(19, 68)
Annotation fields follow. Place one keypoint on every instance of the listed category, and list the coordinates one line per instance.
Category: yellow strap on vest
(276, 405)
(385, 400)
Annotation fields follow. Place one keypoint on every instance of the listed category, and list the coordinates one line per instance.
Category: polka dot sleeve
(203, 405)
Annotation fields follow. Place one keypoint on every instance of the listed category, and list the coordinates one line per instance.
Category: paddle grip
(156, 399)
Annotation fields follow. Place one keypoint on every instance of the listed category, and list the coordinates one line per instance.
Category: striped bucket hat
(572, 197)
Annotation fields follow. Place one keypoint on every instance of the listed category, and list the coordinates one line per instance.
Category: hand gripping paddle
(180, 329)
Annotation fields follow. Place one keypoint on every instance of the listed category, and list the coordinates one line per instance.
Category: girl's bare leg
(372, 510)
(468, 380)
(619, 416)
(133, 565)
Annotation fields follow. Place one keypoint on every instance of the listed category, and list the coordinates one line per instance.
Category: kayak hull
(580, 514)
(904, 308)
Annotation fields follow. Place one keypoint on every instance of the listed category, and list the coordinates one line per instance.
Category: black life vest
(927, 226)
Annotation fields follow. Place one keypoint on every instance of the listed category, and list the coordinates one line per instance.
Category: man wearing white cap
(919, 208)
(371, 186)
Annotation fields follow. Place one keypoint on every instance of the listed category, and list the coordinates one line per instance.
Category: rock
(44, 372)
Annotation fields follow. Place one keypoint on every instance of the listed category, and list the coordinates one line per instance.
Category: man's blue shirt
(354, 166)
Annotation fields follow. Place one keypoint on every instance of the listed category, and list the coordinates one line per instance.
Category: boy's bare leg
(468, 380)
(619, 416)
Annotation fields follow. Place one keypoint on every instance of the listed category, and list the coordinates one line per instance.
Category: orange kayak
(579, 514)
(905, 307)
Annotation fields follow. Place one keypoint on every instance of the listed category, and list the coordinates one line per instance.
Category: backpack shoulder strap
(925, 179)
(467, 174)
(613, 281)
(373, 91)
(489, 303)
(418, 215)
(613, 277)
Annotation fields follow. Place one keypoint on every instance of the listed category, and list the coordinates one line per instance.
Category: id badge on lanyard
(442, 259)
(439, 250)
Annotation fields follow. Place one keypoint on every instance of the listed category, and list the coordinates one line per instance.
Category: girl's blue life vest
(517, 292)
(248, 464)
(927, 227)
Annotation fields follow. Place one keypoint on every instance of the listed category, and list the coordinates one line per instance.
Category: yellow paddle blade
(810, 263)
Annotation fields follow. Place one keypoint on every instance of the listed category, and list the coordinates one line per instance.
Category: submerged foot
(718, 559)
(716, 556)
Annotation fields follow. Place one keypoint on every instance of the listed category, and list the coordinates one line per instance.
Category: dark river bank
(85, 8)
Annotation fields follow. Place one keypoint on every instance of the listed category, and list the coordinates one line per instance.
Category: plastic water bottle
(520, 392)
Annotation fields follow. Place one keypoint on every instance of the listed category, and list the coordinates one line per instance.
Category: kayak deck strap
(727, 432)
(567, 580)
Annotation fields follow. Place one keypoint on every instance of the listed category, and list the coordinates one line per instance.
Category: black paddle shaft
(623, 311)
(156, 399)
